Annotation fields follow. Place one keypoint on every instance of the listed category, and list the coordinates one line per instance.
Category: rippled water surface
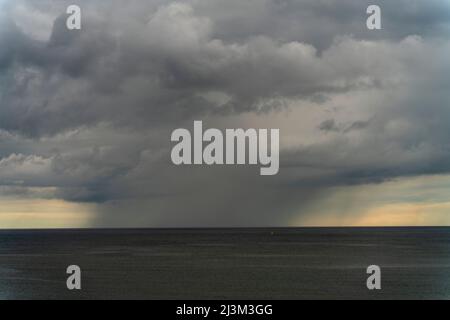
(294, 263)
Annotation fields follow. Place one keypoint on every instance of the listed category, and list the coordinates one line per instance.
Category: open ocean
(272, 263)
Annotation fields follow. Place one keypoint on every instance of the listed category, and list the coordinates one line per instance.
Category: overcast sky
(86, 115)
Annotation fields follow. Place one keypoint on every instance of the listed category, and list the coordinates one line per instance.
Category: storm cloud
(86, 115)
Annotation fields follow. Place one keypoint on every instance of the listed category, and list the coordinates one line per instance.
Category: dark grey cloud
(160, 67)
(86, 115)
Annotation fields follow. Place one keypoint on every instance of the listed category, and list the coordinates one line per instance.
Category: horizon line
(220, 228)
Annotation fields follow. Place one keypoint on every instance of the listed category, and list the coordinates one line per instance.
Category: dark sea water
(297, 263)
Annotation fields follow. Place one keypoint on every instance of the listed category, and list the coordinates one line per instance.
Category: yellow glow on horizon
(415, 201)
(399, 214)
(44, 213)
(407, 214)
